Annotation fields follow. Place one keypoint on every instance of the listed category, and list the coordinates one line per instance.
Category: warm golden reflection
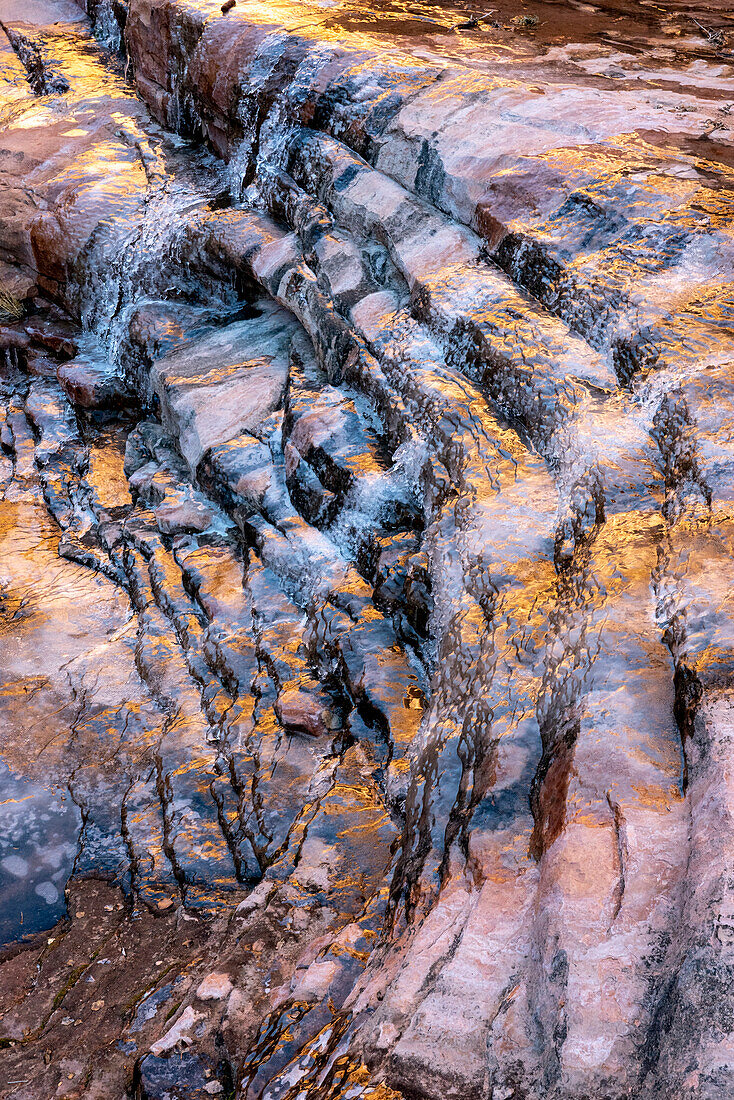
(366, 543)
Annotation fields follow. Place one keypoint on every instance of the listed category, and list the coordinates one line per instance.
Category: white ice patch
(48, 892)
(16, 866)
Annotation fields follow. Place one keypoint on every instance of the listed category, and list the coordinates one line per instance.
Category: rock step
(247, 238)
(442, 262)
(478, 319)
(571, 226)
(290, 546)
(606, 262)
(488, 344)
(160, 578)
(297, 699)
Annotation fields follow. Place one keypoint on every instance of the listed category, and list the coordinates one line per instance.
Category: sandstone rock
(56, 337)
(214, 987)
(186, 514)
(459, 368)
(14, 338)
(301, 711)
(181, 1076)
(206, 401)
(239, 471)
(93, 385)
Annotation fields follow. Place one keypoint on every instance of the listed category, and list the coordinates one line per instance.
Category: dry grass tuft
(11, 309)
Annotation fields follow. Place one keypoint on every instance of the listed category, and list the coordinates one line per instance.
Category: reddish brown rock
(92, 385)
(302, 711)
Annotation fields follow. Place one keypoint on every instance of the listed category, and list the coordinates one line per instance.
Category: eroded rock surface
(365, 552)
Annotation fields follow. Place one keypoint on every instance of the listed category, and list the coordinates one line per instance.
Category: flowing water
(366, 551)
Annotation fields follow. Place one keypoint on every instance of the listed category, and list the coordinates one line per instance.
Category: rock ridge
(370, 414)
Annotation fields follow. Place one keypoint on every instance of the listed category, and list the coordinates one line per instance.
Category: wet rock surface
(365, 551)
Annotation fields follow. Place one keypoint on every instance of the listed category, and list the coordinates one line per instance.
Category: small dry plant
(11, 309)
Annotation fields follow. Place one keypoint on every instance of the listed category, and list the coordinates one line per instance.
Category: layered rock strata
(366, 545)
